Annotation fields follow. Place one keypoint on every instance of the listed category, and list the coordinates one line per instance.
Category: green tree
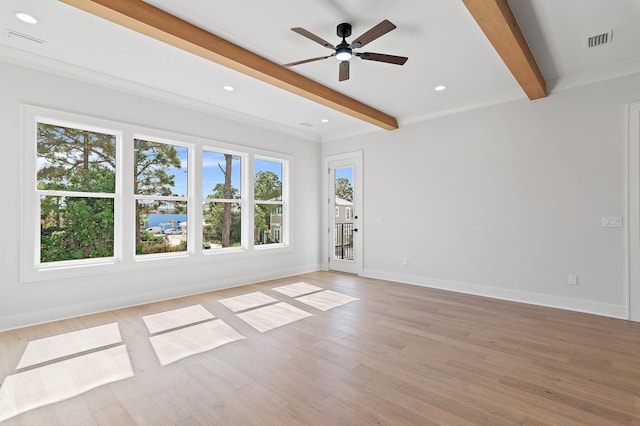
(219, 222)
(78, 227)
(65, 150)
(268, 187)
(75, 160)
(344, 189)
(152, 162)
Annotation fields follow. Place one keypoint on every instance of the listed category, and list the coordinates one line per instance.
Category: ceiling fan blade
(313, 37)
(381, 57)
(379, 30)
(344, 71)
(304, 61)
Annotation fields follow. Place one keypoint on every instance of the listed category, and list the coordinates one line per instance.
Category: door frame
(354, 159)
(633, 212)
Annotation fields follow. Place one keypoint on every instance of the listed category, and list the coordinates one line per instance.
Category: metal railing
(343, 240)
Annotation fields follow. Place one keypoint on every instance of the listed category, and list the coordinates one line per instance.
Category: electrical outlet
(573, 279)
(405, 261)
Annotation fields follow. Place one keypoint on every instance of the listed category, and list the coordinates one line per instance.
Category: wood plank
(160, 25)
(496, 20)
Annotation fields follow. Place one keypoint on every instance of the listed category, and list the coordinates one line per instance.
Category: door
(344, 239)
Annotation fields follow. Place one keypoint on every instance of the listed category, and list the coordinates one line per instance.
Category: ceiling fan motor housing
(343, 30)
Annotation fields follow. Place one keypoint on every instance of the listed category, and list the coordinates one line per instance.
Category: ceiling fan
(345, 51)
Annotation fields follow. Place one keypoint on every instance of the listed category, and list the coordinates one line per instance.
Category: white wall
(28, 303)
(505, 201)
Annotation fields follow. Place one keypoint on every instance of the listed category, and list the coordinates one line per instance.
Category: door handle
(355, 230)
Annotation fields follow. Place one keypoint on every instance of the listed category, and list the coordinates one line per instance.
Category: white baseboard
(65, 312)
(579, 305)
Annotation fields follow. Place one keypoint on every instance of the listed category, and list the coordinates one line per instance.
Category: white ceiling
(442, 41)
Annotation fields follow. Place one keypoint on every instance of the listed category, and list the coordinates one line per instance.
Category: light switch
(612, 222)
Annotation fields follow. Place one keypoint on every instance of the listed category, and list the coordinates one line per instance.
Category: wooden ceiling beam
(160, 25)
(496, 20)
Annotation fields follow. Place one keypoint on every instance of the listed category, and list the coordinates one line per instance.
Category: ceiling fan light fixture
(343, 52)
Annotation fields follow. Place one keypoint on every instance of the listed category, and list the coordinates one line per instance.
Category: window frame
(284, 203)
(188, 199)
(243, 200)
(31, 235)
(125, 258)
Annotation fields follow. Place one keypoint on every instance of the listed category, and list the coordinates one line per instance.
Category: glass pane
(268, 224)
(75, 228)
(75, 160)
(343, 241)
(344, 184)
(221, 225)
(162, 226)
(268, 180)
(161, 169)
(220, 175)
(343, 226)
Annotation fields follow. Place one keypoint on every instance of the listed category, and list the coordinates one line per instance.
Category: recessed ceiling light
(25, 17)
(229, 88)
(440, 88)
(325, 120)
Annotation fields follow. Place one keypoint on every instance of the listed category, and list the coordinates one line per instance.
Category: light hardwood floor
(400, 354)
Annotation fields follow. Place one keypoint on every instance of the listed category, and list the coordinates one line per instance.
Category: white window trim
(124, 258)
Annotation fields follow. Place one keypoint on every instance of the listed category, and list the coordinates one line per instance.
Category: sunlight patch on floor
(62, 380)
(50, 348)
(326, 300)
(297, 289)
(274, 316)
(247, 301)
(178, 344)
(176, 318)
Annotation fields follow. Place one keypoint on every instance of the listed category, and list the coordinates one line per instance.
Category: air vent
(599, 39)
(23, 37)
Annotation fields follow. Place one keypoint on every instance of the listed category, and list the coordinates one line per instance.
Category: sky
(213, 175)
(345, 172)
(211, 172)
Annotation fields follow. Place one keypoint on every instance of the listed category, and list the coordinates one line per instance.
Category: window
(347, 214)
(101, 197)
(222, 200)
(268, 201)
(161, 193)
(76, 181)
